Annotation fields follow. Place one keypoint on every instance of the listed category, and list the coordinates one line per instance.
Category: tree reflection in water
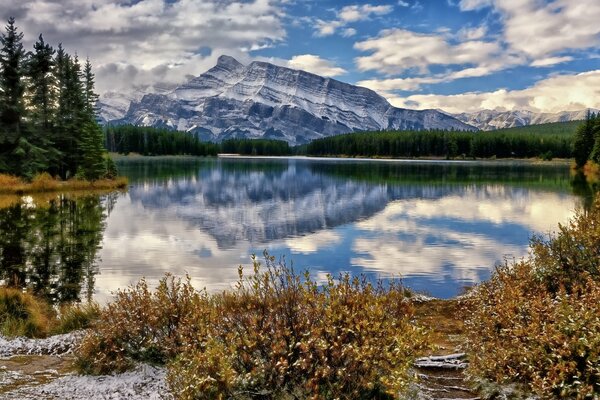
(50, 246)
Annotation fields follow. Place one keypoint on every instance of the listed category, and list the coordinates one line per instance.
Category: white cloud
(470, 5)
(363, 12)
(150, 40)
(349, 32)
(348, 15)
(316, 65)
(539, 30)
(557, 93)
(388, 85)
(399, 50)
(546, 62)
(403, 3)
(472, 33)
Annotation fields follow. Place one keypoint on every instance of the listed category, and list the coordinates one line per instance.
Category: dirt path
(441, 375)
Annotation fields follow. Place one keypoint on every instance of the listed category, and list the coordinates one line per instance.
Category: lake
(440, 226)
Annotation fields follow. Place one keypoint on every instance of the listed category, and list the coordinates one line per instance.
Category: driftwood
(451, 361)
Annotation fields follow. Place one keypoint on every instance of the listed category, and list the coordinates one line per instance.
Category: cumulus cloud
(539, 30)
(554, 94)
(139, 42)
(399, 50)
(349, 14)
(316, 65)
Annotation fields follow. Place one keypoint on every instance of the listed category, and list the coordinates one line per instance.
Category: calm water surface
(440, 226)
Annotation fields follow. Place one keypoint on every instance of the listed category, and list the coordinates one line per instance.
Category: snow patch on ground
(53, 345)
(144, 383)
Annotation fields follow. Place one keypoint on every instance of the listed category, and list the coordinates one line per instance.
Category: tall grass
(43, 182)
(21, 314)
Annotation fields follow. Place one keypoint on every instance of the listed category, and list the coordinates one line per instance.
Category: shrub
(21, 314)
(537, 322)
(141, 325)
(276, 335)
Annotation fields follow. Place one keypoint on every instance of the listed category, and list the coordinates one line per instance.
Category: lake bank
(44, 183)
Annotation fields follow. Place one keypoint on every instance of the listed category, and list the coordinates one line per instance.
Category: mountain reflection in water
(439, 226)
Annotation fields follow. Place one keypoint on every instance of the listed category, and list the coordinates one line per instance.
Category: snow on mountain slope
(263, 100)
(490, 120)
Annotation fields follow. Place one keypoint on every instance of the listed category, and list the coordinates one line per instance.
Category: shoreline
(45, 184)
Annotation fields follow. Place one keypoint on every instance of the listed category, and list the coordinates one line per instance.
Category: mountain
(263, 100)
(488, 120)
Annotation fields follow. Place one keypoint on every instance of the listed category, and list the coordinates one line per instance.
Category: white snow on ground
(53, 345)
(143, 383)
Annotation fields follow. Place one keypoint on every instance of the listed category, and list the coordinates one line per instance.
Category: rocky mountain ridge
(488, 120)
(263, 100)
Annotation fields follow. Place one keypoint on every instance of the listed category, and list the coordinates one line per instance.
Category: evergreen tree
(20, 153)
(584, 141)
(42, 99)
(595, 154)
(91, 144)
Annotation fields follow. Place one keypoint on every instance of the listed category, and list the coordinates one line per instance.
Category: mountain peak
(228, 61)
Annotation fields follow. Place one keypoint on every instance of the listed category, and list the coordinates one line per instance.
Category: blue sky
(458, 55)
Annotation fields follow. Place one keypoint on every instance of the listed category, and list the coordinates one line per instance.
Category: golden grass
(21, 314)
(10, 184)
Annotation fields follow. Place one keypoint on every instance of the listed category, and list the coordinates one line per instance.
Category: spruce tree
(20, 154)
(42, 99)
(91, 143)
(584, 141)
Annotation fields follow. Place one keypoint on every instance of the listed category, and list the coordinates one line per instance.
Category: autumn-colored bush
(276, 335)
(536, 322)
(21, 314)
(144, 325)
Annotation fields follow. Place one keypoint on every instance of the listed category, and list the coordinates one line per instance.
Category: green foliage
(157, 141)
(275, 335)
(510, 143)
(586, 146)
(47, 112)
(149, 141)
(76, 316)
(256, 147)
(537, 322)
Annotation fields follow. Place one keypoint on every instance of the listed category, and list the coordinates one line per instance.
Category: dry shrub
(283, 336)
(537, 322)
(275, 335)
(21, 314)
(141, 325)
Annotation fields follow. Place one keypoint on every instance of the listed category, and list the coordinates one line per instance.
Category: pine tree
(584, 141)
(92, 164)
(42, 99)
(20, 153)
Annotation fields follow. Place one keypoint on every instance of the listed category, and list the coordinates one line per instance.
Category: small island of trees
(48, 120)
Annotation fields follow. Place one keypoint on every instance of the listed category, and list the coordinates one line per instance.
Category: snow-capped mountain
(263, 100)
(488, 120)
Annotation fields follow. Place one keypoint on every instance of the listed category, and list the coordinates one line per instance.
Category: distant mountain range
(488, 120)
(263, 100)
